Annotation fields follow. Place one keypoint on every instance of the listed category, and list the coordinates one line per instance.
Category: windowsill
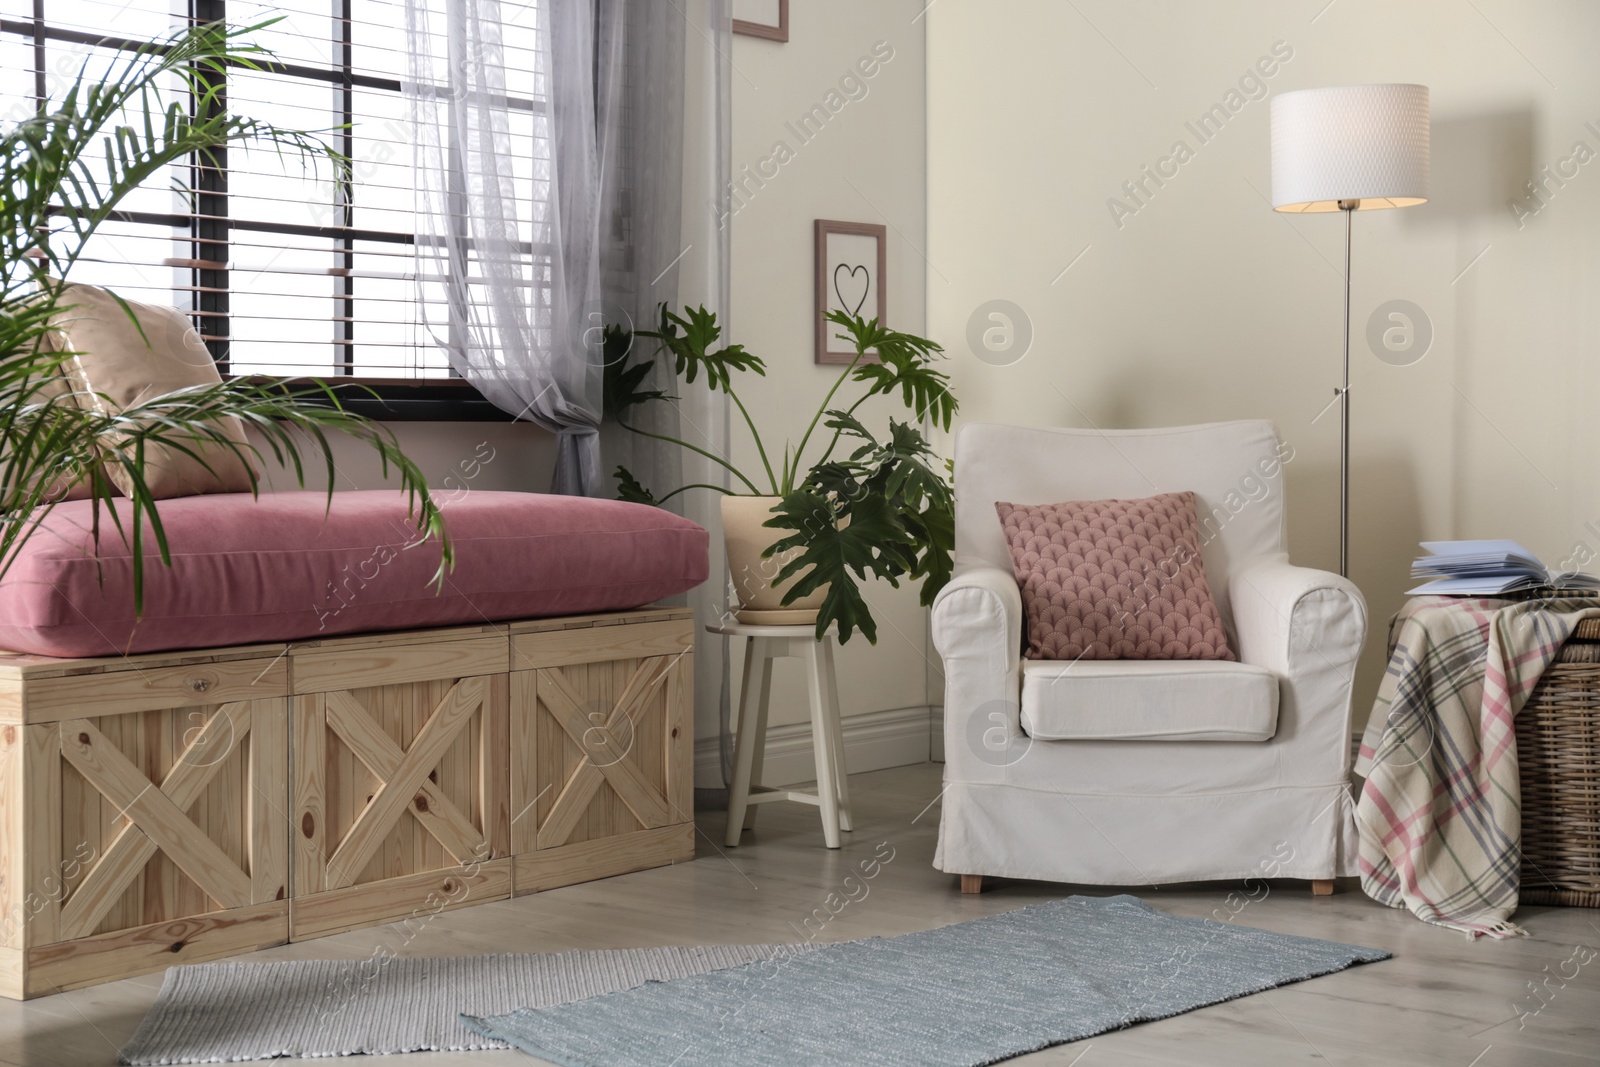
(410, 399)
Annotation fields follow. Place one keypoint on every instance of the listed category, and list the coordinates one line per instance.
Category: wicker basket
(1558, 747)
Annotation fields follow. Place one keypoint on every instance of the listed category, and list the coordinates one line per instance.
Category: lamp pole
(1349, 208)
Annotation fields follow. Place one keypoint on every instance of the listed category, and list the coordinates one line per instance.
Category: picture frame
(851, 261)
(768, 19)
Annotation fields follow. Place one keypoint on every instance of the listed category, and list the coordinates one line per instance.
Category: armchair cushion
(1132, 700)
(1114, 579)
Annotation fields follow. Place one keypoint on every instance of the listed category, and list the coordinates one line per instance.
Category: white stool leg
(822, 745)
(755, 669)
(836, 728)
(758, 734)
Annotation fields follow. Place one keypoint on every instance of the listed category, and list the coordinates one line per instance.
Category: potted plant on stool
(800, 541)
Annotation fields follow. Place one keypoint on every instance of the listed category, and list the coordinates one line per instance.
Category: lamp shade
(1352, 142)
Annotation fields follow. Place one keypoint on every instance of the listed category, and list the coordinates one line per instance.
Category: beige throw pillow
(54, 388)
(57, 388)
(119, 368)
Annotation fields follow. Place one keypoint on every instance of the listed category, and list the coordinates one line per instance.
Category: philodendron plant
(873, 503)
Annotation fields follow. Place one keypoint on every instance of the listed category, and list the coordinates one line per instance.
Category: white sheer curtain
(548, 176)
(573, 161)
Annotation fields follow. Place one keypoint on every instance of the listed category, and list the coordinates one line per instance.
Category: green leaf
(911, 483)
(904, 365)
(690, 340)
(937, 561)
(630, 489)
(845, 606)
(923, 390)
(841, 480)
(622, 381)
(844, 422)
(904, 476)
(873, 543)
(616, 342)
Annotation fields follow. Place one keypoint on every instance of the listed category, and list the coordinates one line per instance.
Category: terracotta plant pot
(760, 601)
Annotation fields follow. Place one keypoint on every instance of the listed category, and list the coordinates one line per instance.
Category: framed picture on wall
(850, 277)
(762, 18)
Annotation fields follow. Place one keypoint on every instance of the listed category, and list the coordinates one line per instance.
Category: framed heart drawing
(762, 18)
(850, 277)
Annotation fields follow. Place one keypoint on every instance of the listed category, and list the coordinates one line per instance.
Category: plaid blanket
(1440, 821)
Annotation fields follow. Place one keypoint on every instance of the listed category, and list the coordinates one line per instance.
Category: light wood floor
(1441, 1001)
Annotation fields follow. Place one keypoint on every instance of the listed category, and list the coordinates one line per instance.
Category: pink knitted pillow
(1114, 579)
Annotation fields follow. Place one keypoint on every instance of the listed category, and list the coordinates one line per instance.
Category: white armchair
(1138, 772)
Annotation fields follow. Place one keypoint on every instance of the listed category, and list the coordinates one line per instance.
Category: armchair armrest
(977, 628)
(979, 611)
(1306, 626)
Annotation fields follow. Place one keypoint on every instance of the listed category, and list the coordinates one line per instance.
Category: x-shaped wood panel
(156, 814)
(646, 802)
(405, 780)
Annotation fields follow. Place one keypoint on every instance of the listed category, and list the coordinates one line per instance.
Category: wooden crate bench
(602, 748)
(174, 807)
(400, 806)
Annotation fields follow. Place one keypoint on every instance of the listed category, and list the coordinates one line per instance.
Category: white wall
(1203, 304)
(867, 164)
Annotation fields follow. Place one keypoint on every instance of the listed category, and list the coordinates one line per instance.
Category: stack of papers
(1485, 568)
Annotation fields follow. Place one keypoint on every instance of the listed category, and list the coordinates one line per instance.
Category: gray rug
(230, 1012)
(974, 993)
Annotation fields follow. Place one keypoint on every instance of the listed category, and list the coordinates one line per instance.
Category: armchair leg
(971, 884)
(1322, 887)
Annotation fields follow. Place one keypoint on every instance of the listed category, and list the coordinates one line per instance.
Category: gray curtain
(703, 278)
(539, 225)
(642, 45)
(681, 240)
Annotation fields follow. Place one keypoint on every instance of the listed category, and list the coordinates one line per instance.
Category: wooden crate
(400, 799)
(142, 815)
(175, 807)
(602, 737)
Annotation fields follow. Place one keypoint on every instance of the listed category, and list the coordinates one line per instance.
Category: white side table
(767, 643)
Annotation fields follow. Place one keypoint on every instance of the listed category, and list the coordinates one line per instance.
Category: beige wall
(1203, 304)
(866, 164)
(449, 453)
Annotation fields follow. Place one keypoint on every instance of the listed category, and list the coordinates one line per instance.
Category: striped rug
(234, 1012)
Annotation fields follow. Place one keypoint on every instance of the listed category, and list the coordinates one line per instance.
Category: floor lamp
(1351, 148)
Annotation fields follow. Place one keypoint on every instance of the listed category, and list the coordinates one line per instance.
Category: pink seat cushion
(284, 567)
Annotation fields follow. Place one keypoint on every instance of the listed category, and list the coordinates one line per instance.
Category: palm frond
(64, 172)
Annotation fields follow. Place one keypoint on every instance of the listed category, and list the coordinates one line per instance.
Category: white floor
(1442, 1001)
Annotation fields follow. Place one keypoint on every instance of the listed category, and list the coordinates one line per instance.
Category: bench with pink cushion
(301, 736)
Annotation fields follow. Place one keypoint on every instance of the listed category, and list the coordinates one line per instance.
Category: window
(289, 269)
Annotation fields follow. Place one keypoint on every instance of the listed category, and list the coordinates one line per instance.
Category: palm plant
(65, 171)
(885, 509)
